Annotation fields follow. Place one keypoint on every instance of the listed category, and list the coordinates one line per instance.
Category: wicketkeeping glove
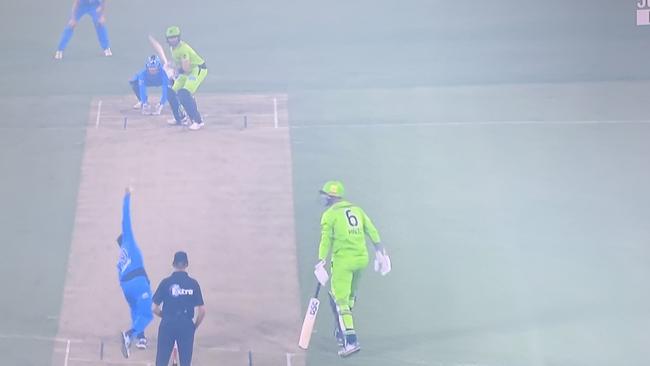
(382, 262)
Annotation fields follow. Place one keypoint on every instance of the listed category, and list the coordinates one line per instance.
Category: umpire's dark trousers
(181, 331)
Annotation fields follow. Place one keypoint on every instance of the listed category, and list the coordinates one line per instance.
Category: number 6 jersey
(343, 229)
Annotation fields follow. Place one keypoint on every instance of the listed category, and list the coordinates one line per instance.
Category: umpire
(179, 295)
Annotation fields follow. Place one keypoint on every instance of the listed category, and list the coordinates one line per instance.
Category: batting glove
(382, 262)
(321, 273)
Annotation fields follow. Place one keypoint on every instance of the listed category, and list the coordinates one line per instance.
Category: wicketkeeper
(344, 227)
(152, 75)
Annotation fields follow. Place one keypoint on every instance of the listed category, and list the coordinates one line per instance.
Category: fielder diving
(191, 70)
(344, 227)
(134, 282)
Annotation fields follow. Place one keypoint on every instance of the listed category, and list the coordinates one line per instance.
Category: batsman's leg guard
(339, 327)
(189, 104)
(175, 105)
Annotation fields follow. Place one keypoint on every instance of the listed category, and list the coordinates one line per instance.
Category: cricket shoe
(142, 343)
(196, 126)
(58, 55)
(185, 121)
(340, 339)
(126, 345)
(108, 53)
(146, 109)
(349, 349)
(137, 105)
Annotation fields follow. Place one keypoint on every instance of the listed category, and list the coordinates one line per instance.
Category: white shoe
(157, 110)
(142, 343)
(108, 53)
(184, 122)
(349, 349)
(146, 109)
(58, 55)
(126, 344)
(196, 126)
(137, 105)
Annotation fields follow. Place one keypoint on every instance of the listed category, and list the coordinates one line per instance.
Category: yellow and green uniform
(344, 227)
(198, 71)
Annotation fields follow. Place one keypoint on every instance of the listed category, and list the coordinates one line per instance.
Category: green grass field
(500, 148)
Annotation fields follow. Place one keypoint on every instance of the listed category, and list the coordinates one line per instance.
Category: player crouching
(192, 71)
(152, 75)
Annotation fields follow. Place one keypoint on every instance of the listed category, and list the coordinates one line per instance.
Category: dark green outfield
(513, 245)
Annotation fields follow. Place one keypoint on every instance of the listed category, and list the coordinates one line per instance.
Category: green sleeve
(370, 229)
(326, 226)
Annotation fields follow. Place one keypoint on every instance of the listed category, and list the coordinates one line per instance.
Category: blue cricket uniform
(133, 278)
(142, 80)
(86, 7)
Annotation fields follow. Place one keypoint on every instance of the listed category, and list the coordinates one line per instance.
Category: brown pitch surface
(223, 194)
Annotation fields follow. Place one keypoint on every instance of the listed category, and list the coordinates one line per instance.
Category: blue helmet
(153, 62)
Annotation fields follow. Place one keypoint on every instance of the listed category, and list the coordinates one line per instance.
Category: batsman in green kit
(344, 227)
(191, 70)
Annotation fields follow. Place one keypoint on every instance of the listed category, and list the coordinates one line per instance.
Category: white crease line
(475, 123)
(99, 113)
(67, 353)
(38, 338)
(94, 361)
(289, 358)
(275, 112)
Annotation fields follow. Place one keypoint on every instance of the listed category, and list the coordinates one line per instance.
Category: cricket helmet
(333, 188)
(153, 62)
(173, 31)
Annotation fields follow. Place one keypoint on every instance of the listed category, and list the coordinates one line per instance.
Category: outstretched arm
(127, 231)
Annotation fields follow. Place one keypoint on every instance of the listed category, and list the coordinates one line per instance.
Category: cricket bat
(310, 320)
(158, 48)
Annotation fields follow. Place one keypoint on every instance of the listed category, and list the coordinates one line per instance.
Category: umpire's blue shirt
(178, 294)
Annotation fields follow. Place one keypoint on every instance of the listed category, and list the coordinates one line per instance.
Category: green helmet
(333, 188)
(173, 31)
